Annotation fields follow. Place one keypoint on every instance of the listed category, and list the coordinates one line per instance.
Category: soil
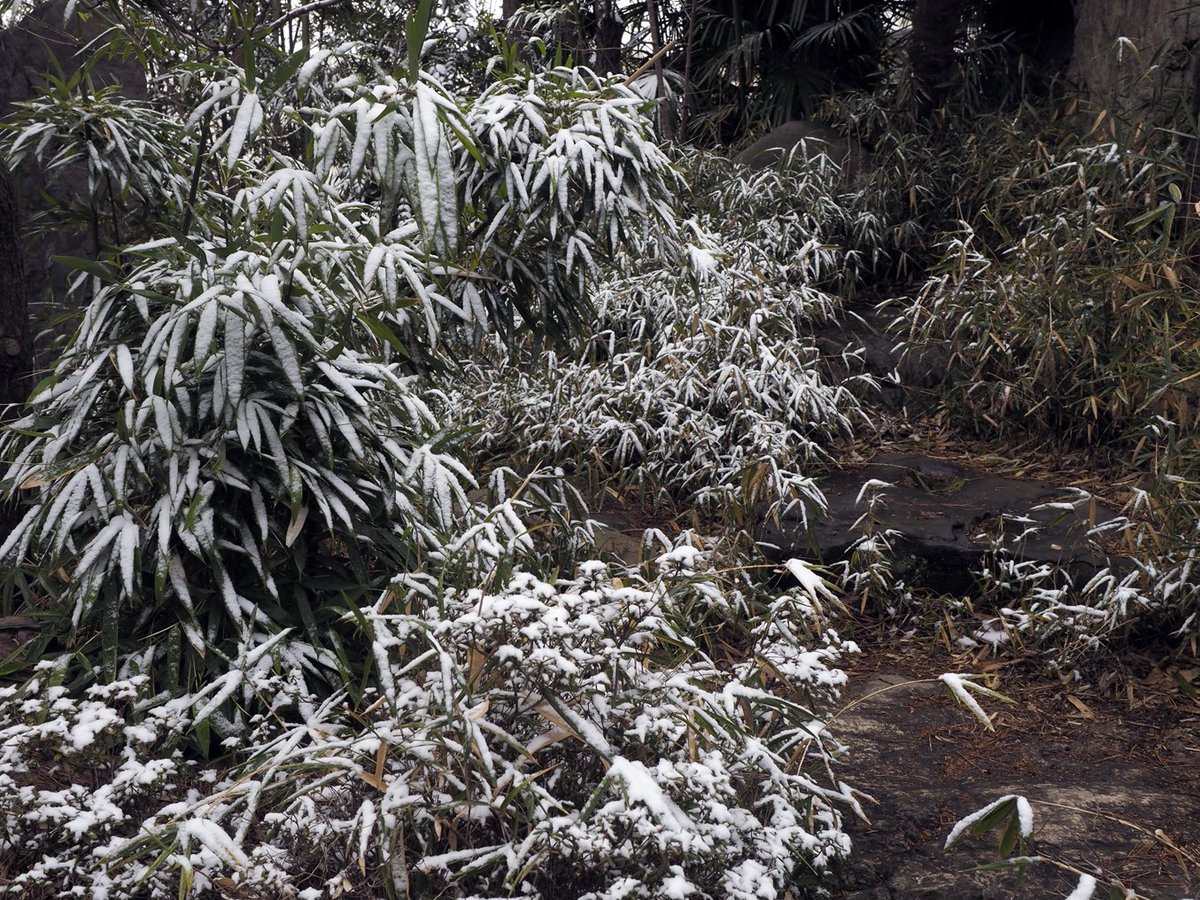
(1114, 783)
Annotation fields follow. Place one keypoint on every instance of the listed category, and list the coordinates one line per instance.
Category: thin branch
(301, 11)
(194, 185)
(1157, 834)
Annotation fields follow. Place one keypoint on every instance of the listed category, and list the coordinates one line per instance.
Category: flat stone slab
(948, 517)
(1110, 792)
(861, 342)
(15, 632)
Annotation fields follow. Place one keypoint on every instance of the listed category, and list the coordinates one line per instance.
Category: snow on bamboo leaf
(1020, 809)
(245, 126)
(961, 686)
(213, 838)
(234, 358)
(436, 190)
(125, 366)
(1085, 889)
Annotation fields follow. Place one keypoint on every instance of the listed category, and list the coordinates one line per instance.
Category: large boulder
(803, 141)
(949, 517)
(1118, 45)
(860, 342)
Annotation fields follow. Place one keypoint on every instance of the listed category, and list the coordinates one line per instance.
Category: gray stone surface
(946, 514)
(861, 343)
(1099, 788)
(801, 140)
(15, 632)
(1129, 52)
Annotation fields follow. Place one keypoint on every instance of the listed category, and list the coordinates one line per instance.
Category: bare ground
(1114, 782)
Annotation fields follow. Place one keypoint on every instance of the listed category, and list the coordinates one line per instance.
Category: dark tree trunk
(1125, 54)
(15, 356)
(685, 106)
(935, 28)
(1191, 163)
(509, 9)
(609, 32)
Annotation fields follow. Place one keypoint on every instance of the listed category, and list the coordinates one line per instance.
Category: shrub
(563, 740)
(1062, 296)
(207, 452)
(1072, 620)
(701, 380)
(567, 175)
(234, 443)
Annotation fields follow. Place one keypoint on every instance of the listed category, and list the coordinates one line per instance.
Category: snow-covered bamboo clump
(243, 446)
(701, 377)
(568, 175)
(243, 401)
(205, 431)
(563, 739)
(522, 197)
(239, 448)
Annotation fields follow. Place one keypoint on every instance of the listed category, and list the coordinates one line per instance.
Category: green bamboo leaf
(996, 816)
(283, 72)
(101, 270)
(381, 330)
(1008, 840)
(1147, 218)
(202, 731)
(306, 616)
(416, 29)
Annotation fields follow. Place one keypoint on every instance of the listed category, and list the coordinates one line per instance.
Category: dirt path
(1101, 774)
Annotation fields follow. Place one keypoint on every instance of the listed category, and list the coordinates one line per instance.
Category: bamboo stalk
(644, 67)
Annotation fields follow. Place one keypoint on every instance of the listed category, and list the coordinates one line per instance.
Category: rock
(618, 536)
(15, 632)
(1118, 45)
(802, 140)
(927, 764)
(947, 515)
(860, 343)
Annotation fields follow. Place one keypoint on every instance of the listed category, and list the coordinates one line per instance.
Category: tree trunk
(15, 356)
(685, 106)
(509, 9)
(1126, 54)
(666, 115)
(935, 28)
(610, 30)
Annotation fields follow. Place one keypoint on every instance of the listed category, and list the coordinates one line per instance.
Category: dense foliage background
(354, 314)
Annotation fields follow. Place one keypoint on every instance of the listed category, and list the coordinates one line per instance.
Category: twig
(883, 690)
(1157, 834)
(301, 11)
